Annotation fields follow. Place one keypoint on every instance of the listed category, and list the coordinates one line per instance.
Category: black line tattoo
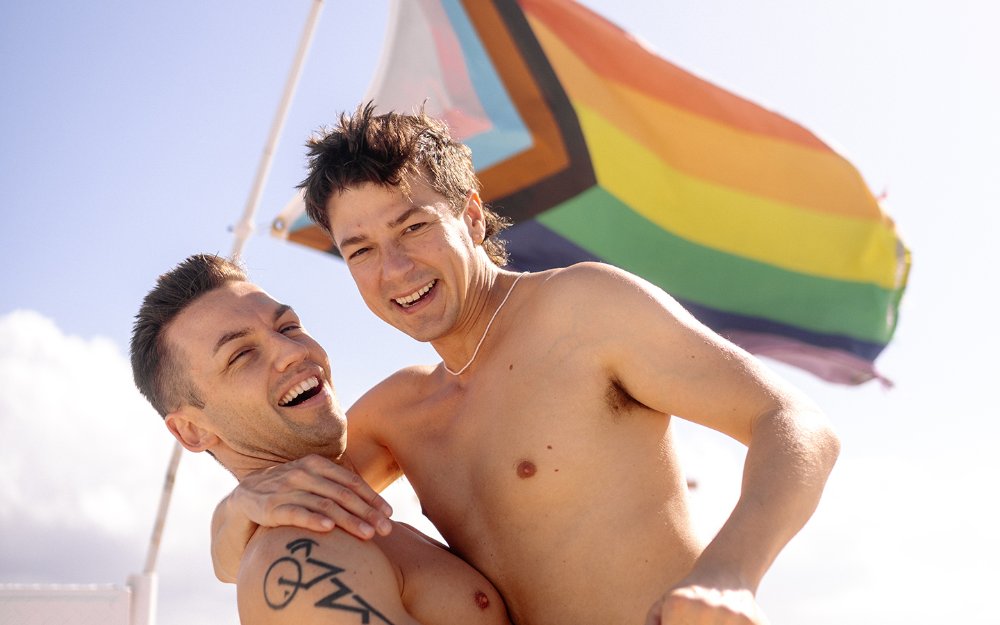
(284, 579)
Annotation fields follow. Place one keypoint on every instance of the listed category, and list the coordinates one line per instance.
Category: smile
(304, 390)
(409, 300)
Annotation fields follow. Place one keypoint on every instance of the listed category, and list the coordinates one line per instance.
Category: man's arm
(789, 457)
(670, 362)
(291, 576)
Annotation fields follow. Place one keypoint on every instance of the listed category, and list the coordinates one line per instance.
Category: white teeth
(408, 300)
(298, 389)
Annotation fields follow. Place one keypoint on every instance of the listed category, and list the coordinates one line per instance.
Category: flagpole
(245, 227)
(241, 233)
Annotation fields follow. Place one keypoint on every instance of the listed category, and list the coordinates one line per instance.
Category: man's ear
(183, 424)
(474, 217)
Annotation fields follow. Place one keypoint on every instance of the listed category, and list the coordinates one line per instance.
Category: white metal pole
(161, 517)
(241, 232)
(245, 227)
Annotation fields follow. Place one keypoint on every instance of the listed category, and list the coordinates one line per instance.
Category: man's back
(295, 576)
(541, 469)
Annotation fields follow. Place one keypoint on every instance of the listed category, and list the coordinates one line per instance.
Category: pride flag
(598, 149)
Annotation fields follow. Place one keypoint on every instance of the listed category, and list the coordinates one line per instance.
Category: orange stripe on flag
(615, 55)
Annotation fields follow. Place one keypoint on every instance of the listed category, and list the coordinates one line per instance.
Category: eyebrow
(392, 224)
(238, 334)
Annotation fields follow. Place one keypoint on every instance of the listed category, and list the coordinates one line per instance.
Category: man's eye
(357, 253)
(240, 354)
(292, 327)
(416, 226)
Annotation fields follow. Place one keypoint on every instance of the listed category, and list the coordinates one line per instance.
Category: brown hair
(384, 150)
(157, 373)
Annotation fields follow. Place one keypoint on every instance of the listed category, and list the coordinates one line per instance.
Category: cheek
(368, 289)
(456, 239)
(374, 303)
(378, 308)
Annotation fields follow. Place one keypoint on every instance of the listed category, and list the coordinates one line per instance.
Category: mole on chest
(527, 468)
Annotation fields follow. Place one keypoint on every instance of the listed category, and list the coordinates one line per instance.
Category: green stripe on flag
(717, 279)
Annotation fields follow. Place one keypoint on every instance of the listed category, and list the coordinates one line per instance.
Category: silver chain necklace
(485, 332)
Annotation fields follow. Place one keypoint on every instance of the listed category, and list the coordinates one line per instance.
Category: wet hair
(385, 150)
(155, 368)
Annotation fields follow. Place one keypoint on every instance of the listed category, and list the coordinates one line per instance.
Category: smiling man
(542, 445)
(234, 373)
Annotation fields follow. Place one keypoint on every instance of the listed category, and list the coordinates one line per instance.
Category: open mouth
(411, 299)
(301, 392)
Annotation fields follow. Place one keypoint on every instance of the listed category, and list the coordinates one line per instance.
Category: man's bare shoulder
(289, 575)
(399, 389)
(598, 291)
(580, 280)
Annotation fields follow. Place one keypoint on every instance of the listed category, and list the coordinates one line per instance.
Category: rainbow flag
(598, 149)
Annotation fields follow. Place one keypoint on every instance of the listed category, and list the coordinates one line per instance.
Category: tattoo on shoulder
(289, 573)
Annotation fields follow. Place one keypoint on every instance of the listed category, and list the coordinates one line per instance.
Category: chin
(425, 332)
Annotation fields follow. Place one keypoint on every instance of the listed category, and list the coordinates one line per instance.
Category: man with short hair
(233, 373)
(542, 445)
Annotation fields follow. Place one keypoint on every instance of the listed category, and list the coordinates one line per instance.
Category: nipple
(526, 469)
(482, 601)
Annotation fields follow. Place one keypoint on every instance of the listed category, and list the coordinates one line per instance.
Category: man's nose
(290, 351)
(396, 261)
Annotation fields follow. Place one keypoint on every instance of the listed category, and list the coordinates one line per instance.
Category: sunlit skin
(244, 351)
(550, 463)
(396, 244)
(268, 398)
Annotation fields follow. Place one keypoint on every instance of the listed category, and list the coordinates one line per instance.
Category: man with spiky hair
(542, 445)
(234, 373)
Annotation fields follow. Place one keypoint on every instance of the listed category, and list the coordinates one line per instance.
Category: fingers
(339, 494)
(349, 479)
(299, 516)
(331, 517)
(348, 510)
(314, 493)
(700, 606)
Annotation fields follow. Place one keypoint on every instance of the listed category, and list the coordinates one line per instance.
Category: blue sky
(131, 133)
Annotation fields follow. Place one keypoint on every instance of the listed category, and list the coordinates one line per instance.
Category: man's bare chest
(508, 442)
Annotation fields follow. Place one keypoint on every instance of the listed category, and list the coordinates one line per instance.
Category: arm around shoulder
(231, 531)
(312, 493)
(374, 417)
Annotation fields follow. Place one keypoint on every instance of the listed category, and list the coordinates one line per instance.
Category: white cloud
(78, 434)
(82, 469)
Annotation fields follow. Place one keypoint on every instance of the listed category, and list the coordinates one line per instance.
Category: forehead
(368, 205)
(229, 308)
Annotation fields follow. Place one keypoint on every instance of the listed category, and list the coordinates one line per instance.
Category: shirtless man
(542, 446)
(233, 373)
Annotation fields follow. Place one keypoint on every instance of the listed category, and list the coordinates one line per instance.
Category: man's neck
(460, 349)
(247, 466)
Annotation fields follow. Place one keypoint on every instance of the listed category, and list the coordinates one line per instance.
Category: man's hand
(313, 493)
(698, 605)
